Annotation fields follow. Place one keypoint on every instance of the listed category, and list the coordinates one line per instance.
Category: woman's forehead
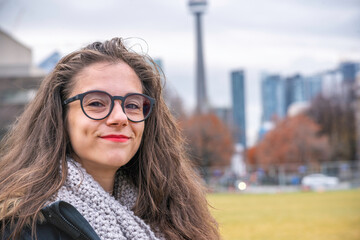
(115, 78)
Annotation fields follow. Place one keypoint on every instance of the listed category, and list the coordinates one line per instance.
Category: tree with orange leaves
(209, 141)
(251, 155)
(294, 141)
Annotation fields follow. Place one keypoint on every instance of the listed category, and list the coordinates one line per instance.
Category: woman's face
(104, 145)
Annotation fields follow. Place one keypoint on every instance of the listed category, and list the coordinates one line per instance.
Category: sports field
(296, 216)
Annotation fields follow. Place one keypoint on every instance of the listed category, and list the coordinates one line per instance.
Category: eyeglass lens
(97, 105)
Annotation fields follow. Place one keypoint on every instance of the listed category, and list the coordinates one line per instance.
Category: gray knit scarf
(110, 218)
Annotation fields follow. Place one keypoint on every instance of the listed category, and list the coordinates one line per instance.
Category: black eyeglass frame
(113, 98)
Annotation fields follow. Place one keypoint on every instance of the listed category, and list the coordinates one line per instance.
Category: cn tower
(198, 7)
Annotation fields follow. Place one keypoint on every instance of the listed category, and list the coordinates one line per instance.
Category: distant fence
(283, 175)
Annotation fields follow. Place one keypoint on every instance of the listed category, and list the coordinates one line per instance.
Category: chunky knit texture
(111, 218)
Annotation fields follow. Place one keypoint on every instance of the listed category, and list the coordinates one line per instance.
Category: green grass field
(288, 216)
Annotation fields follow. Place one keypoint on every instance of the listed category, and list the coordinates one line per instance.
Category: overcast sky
(274, 36)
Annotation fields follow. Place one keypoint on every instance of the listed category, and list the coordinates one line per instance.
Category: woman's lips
(116, 138)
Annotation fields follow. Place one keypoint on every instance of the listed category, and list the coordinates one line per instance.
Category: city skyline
(284, 37)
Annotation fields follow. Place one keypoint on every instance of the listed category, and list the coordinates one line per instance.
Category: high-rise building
(159, 64)
(313, 86)
(294, 90)
(238, 104)
(198, 7)
(49, 63)
(273, 97)
(331, 82)
(348, 71)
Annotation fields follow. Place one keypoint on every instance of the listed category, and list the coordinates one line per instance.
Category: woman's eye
(96, 104)
(132, 106)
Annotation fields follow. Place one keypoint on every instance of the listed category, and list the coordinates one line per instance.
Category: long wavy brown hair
(170, 199)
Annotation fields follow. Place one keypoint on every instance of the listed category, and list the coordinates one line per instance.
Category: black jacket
(63, 222)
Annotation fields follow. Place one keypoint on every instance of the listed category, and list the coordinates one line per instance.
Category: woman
(97, 155)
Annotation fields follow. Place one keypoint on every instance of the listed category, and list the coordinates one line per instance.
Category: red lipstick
(116, 138)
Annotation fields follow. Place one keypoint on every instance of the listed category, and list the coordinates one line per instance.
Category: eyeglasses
(98, 105)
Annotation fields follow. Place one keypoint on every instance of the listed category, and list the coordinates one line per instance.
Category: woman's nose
(117, 115)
